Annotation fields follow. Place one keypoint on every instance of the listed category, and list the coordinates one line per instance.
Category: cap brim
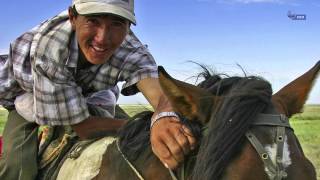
(102, 8)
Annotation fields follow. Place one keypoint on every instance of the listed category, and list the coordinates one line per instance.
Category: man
(67, 69)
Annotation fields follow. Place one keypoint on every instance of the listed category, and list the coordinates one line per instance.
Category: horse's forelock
(245, 98)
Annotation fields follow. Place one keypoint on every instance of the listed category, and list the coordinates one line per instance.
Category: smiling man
(65, 72)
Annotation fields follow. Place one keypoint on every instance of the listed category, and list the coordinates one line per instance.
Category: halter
(275, 171)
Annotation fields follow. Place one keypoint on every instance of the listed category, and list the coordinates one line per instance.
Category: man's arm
(169, 138)
(94, 127)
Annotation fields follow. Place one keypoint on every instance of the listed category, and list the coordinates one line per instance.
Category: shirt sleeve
(15, 69)
(138, 64)
(58, 99)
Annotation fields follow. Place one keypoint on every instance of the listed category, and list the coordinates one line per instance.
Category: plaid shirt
(58, 86)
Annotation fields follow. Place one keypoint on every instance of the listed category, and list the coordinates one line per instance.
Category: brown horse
(242, 129)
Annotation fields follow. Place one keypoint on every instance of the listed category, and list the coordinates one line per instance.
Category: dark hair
(242, 99)
(75, 14)
(74, 10)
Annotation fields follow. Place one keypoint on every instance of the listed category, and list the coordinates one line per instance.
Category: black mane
(243, 99)
(134, 137)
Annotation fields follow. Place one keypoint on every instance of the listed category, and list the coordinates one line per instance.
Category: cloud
(3, 51)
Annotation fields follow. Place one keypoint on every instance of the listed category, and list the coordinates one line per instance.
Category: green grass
(310, 112)
(133, 109)
(308, 133)
(3, 117)
(306, 126)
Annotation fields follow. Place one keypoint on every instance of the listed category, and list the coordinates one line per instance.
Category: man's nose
(103, 35)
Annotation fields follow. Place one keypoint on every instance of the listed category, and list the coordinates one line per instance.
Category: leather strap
(275, 171)
(263, 154)
(272, 120)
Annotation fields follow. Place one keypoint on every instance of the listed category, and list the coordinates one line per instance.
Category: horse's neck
(270, 110)
(150, 166)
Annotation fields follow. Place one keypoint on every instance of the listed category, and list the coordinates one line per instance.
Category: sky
(255, 34)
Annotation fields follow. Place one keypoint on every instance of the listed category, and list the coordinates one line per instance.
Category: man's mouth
(99, 49)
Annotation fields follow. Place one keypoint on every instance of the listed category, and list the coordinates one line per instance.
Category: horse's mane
(134, 137)
(243, 98)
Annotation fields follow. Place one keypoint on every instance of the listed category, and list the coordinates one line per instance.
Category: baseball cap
(122, 8)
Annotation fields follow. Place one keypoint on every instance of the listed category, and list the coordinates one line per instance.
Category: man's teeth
(98, 49)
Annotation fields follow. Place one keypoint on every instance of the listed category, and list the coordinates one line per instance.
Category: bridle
(275, 171)
(280, 122)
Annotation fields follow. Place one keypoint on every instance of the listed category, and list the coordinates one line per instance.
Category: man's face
(99, 35)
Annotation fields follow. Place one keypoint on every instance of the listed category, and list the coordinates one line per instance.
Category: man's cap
(122, 8)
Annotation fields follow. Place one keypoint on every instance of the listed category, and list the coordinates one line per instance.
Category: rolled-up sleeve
(138, 64)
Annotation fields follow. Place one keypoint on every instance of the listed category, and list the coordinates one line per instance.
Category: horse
(242, 129)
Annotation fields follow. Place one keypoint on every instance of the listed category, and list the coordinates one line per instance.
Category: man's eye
(118, 23)
(92, 21)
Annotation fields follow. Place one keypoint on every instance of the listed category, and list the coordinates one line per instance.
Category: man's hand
(171, 141)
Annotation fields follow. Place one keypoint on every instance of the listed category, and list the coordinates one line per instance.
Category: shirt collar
(73, 52)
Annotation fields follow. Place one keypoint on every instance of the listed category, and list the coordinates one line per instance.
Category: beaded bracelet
(161, 115)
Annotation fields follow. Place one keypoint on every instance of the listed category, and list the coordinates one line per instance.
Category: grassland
(306, 126)
(3, 117)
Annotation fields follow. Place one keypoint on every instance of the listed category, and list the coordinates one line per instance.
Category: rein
(128, 162)
(173, 176)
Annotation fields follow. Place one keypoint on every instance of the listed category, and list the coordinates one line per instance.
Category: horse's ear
(187, 99)
(290, 99)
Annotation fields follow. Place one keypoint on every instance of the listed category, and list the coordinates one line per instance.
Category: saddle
(67, 157)
(59, 144)
(55, 143)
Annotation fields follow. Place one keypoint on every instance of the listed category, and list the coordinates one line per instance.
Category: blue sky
(257, 34)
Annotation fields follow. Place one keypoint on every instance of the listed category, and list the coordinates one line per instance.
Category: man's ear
(72, 17)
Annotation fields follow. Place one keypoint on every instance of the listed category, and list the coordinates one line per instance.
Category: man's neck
(83, 63)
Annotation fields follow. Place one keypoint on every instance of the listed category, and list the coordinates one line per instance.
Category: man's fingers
(171, 141)
(191, 139)
(182, 141)
(174, 147)
(165, 156)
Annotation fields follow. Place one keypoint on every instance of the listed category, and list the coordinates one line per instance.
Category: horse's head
(229, 106)
(195, 101)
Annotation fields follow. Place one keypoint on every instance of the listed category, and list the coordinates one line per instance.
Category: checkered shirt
(49, 71)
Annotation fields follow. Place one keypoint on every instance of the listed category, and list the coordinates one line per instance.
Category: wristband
(161, 115)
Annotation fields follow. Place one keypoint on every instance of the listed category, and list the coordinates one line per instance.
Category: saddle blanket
(87, 165)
